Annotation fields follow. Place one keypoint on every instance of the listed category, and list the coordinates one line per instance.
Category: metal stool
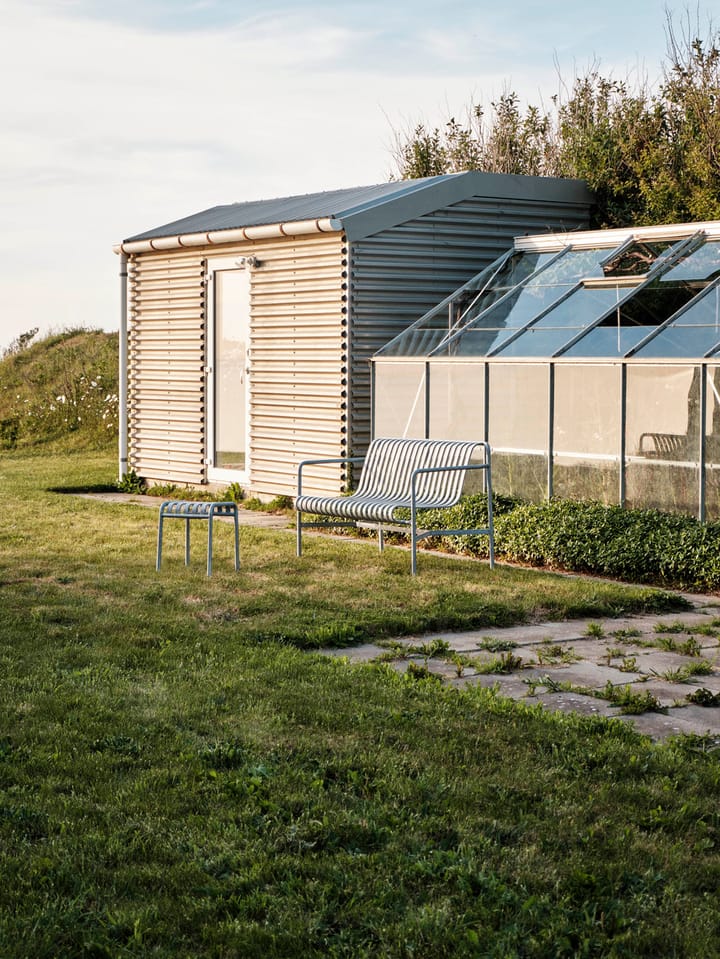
(191, 509)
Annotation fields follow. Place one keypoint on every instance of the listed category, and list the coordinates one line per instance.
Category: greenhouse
(589, 361)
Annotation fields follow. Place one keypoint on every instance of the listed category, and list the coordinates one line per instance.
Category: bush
(642, 546)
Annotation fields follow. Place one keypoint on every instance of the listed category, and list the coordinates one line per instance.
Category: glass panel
(693, 333)
(702, 264)
(704, 311)
(525, 302)
(399, 399)
(474, 298)
(518, 428)
(652, 304)
(608, 341)
(583, 307)
(419, 342)
(587, 430)
(663, 437)
(675, 341)
(457, 401)
(538, 342)
(232, 316)
(712, 444)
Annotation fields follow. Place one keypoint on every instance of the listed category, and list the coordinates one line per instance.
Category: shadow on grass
(87, 488)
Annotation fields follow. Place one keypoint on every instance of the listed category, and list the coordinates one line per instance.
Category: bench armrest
(322, 462)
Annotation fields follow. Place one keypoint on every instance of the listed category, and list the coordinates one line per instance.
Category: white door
(228, 392)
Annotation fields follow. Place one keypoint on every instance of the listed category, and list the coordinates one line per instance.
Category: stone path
(581, 665)
(247, 517)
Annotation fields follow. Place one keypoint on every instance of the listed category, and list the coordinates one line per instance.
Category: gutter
(217, 237)
(122, 372)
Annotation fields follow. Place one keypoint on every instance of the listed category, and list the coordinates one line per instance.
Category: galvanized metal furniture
(400, 475)
(192, 510)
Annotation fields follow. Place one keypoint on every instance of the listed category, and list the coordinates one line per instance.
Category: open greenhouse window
(636, 258)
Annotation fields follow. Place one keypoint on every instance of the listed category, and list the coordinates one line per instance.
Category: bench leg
(413, 538)
(298, 548)
(381, 538)
(237, 542)
(159, 544)
(187, 542)
(210, 540)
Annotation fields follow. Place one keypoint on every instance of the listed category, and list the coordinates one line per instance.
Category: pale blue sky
(119, 116)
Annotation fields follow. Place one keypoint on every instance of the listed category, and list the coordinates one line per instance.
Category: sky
(119, 117)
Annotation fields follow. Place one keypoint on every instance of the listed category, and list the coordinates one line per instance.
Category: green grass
(179, 779)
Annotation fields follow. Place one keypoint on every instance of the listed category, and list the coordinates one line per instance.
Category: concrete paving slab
(595, 650)
(591, 674)
(510, 685)
(711, 683)
(675, 722)
(667, 694)
(357, 654)
(575, 703)
(659, 661)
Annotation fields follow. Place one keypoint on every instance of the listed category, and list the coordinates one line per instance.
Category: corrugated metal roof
(366, 210)
(335, 204)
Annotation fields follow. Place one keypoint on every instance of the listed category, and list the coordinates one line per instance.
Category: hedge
(641, 546)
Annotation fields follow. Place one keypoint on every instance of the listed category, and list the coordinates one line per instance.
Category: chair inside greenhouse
(589, 361)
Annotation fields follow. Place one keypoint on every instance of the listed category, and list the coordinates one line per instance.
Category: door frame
(217, 474)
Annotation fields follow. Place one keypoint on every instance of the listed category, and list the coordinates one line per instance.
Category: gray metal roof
(368, 209)
(336, 204)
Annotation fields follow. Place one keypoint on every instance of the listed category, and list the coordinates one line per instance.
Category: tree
(650, 156)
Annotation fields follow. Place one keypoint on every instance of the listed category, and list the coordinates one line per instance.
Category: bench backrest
(389, 465)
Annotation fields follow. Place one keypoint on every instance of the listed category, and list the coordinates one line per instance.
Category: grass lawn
(182, 776)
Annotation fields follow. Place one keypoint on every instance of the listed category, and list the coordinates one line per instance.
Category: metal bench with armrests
(400, 475)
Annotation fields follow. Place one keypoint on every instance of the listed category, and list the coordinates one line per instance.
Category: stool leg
(187, 542)
(159, 544)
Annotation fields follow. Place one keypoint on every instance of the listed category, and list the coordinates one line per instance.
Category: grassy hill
(61, 390)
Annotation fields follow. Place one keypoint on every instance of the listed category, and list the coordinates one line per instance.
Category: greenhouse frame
(590, 362)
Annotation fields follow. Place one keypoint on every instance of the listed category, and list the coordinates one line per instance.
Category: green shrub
(643, 546)
(131, 483)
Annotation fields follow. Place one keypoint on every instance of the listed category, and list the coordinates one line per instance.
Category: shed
(247, 329)
(590, 363)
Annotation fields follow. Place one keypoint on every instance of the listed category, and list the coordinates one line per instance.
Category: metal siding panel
(166, 402)
(399, 274)
(299, 362)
